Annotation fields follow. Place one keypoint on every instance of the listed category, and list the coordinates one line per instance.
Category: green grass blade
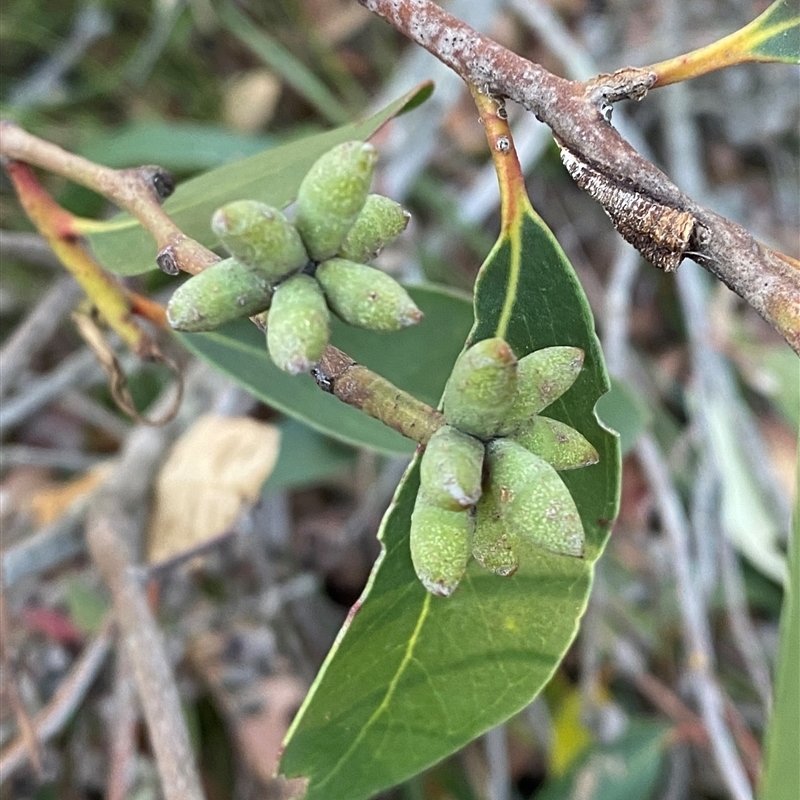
(781, 778)
(284, 63)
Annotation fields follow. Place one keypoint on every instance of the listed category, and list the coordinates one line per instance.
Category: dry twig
(27, 730)
(114, 535)
(52, 719)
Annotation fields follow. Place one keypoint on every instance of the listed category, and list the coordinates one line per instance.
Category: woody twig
(140, 192)
(642, 201)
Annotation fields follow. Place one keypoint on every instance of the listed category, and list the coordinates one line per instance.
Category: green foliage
(178, 146)
(624, 411)
(629, 768)
(775, 35)
(782, 767)
(238, 351)
(272, 177)
(87, 607)
(306, 458)
(413, 677)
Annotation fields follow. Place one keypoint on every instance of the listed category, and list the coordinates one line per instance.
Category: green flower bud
(299, 325)
(440, 545)
(220, 293)
(260, 237)
(332, 195)
(542, 377)
(366, 297)
(495, 546)
(557, 443)
(450, 469)
(481, 388)
(380, 222)
(532, 500)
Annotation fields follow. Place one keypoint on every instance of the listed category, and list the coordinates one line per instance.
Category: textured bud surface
(332, 195)
(260, 237)
(223, 292)
(299, 325)
(380, 222)
(450, 469)
(532, 500)
(557, 443)
(440, 545)
(481, 388)
(494, 545)
(366, 297)
(542, 377)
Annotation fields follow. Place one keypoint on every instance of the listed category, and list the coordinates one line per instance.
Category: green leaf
(417, 359)
(748, 521)
(306, 457)
(781, 777)
(87, 607)
(781, 369)
(177, 146)
(629, 767)
(124, 247)
(413, 677)
(775, 35)
(625, 411)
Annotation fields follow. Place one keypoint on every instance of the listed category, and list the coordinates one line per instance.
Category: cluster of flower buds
(488, 477)
(292, 274)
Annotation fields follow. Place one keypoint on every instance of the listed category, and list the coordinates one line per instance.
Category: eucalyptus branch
(646, 207)
(138, 191)
(361, 388)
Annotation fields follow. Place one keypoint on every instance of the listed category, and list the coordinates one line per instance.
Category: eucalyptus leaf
(283, 62)
(177, 146)
(775, 35)
(417, 359)
(413, 677)
(625, 411)
(306, 457)
(626, 768)
(273, 176)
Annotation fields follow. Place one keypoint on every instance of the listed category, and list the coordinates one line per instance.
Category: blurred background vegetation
(191, 84)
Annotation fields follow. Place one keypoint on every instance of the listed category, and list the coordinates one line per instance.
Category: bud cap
(366, 297)
(220, 293)
(557, 443)
(542, 377)
(332, 195)
(298, 327)
(481, 388)
(495, 546)
(380, 222)
(450, 469)
(260, 237)
(440, 545)
(532, 500)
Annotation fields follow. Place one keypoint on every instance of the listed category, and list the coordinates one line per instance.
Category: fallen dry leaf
(212, 471)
